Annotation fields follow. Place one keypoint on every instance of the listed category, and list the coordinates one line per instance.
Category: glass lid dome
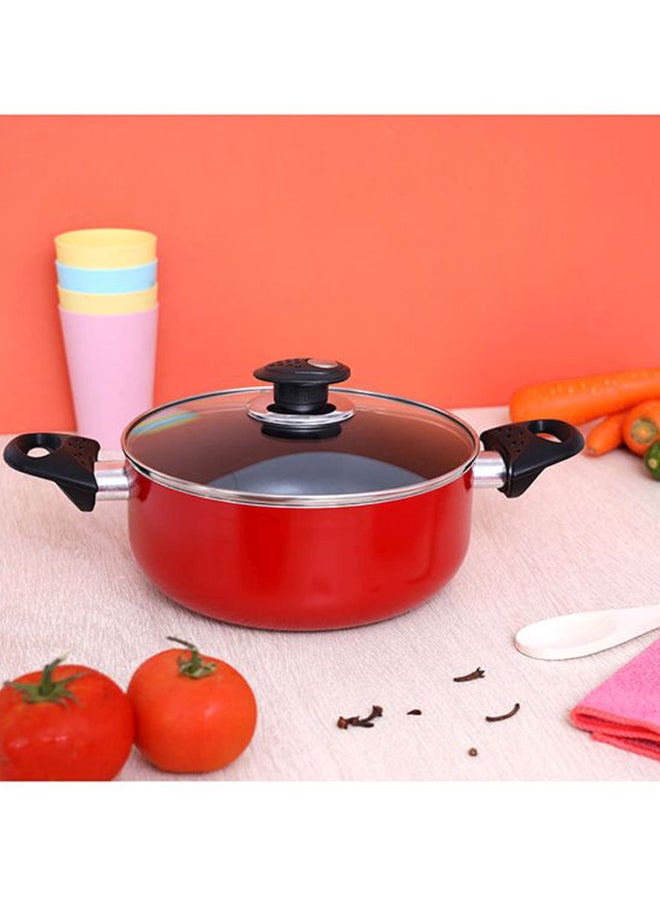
(300, 444)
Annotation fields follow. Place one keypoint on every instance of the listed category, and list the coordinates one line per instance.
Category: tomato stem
(194, 667)
(47, 690)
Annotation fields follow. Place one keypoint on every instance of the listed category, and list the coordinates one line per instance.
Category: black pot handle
(69, 463)
(526, 454)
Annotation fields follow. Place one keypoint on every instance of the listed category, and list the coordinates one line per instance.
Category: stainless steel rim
(304, 501)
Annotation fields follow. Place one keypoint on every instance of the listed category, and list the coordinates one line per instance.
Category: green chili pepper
(652, 459)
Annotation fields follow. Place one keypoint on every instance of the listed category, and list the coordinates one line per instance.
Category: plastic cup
(105, 248)
(111, 362)
(108, 304)
(107, 281)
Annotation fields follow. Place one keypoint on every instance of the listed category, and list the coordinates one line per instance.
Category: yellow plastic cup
(108, 304)
(105, 248)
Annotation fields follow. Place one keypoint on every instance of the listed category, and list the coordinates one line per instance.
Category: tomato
(65, 723)
(192, 713)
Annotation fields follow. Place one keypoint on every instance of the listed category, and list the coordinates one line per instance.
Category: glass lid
(299, 444)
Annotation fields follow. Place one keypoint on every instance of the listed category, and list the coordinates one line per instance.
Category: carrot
(579, 400)
(606, 435)
(641, 426)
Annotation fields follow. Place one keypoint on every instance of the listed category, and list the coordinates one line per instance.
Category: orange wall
(444, 258)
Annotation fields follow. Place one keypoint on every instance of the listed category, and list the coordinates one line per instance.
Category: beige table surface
(584, 536)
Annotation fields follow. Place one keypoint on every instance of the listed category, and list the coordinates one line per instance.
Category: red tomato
(192, 713)
(66, 723)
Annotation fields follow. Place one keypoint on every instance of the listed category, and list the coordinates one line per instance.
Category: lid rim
(302, 501)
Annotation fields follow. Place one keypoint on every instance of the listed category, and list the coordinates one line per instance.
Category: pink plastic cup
(111, 361)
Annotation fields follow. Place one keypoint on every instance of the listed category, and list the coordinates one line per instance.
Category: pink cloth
(625, 709)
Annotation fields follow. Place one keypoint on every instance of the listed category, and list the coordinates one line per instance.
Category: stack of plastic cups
(108, 292)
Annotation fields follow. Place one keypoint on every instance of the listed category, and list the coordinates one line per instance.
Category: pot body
(299, 568)
(300, 509)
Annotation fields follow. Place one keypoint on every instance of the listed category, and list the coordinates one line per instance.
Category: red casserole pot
(301, 509)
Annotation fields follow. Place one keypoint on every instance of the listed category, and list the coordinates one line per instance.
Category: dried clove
(508, 715)
(478, 673)
(414, 712)
(376, 711)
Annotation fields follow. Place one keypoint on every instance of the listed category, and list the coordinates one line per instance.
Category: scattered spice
(505, 716)
(478, 673)
(473, 751)
(414, 712)
(376, 711)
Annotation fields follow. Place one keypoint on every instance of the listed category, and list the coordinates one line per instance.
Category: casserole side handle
(526, 454)
(68, 461)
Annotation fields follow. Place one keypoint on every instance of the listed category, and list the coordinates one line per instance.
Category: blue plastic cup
(107, 281)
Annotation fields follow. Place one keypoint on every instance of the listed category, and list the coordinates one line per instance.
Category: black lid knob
(306, 371)
(301, 385)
